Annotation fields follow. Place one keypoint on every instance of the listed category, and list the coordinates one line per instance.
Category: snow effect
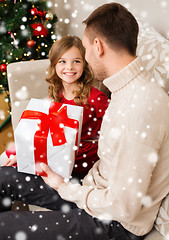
(146, 201)
(20, 236)
(27, 178)
(65, 208)
(23, 94)
(2, 27)
(166, 237)
(34, 227)
(116, 133)
(2, 115)
(153, 157)
(6, 202)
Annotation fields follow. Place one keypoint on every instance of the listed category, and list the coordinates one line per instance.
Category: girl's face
(70, 66)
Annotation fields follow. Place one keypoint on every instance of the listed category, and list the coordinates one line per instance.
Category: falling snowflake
(66, 20)
(146, 201)
(27, 178)
(2, 115)
(166, 237)
(6, 202)
(130, 180)
(22, 93)
(143, 135)
(139, 194)
(67, 6)
(98, 230)
(24, 19)
(88, 7)
(143, 14)
(60, 237)
(153, 157)
(75, 148)
(74, 14)
(115, 133)
(140, 180)
(84, 164)
(21, 236)
(34, 228)
(49, 4)
(163, 4)
(2, 28)
(65, 208)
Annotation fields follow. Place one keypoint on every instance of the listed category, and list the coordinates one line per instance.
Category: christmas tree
(27, 31)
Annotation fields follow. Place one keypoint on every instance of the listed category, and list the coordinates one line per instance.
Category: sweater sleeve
(120, 196)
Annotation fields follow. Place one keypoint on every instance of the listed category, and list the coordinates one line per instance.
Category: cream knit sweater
(131, 178)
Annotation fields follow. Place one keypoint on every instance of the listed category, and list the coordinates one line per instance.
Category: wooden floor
(6, 134)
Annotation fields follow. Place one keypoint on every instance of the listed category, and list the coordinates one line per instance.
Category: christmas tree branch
(6, 121)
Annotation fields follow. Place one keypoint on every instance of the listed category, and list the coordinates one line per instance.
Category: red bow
(54, 121)
(39, 30)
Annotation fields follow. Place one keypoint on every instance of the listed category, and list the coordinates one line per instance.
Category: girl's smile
(69, 73)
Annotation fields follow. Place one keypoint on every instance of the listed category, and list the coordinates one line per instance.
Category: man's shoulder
(152, 102)
(152, 91)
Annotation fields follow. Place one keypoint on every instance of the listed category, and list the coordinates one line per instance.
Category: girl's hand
(53, 179)
(10, 161)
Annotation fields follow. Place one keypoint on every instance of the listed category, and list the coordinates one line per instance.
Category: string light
(49, 25)
(22, 27)
(24, 19)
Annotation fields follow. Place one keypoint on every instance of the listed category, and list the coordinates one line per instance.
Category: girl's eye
(62, 61)
(76, 61)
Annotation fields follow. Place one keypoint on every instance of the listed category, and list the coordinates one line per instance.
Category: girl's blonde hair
(55, 83)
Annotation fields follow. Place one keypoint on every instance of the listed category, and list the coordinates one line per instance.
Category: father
(121, 195)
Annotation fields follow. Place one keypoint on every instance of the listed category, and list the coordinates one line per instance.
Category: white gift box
(60, 157)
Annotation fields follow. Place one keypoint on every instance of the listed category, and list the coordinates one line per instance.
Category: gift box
(48, 132)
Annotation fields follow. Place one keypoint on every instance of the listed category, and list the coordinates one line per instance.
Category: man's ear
(99, 48)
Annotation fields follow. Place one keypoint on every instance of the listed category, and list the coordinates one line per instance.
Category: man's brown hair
(116, 25)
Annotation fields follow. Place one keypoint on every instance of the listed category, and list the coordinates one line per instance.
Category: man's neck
(116, 61)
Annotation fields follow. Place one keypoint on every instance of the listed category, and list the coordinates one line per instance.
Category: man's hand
(53, 179)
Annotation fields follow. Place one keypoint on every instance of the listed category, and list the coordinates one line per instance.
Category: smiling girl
(70, 81)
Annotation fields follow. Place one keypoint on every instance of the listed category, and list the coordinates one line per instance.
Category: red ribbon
(54, 121)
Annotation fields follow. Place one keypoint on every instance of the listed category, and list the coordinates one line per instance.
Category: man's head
(115, 26)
